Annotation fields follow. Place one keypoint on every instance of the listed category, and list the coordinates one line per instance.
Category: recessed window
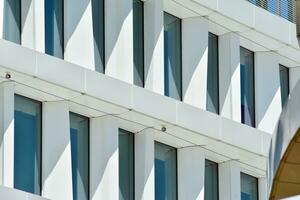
(212, 97)
(12, 21)
(79, 136)
(27, 144)
(172, 56)
(98, 34)
(165, 172)
(249, 187)
(126, 165)
(247, 87)
(284, 83)
(54, 28)
(211, 184)
(138, 42)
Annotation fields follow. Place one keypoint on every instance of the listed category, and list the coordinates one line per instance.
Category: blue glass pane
(138, 42)
(247, 87)
(165, 172)
(211, 184)
(54, 30)
(172, 56)
(98, 33)
(284, 83)
(12, 21)
(212, 98)
(27, 145)
(126, 165)
(79, 135)
(249, 187)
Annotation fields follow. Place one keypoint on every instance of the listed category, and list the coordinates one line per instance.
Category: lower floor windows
(27, 145)
(249, 187)
(165, 172)
(79, 136)
(211, 184)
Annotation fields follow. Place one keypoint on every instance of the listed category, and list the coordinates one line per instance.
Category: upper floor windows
(212, 96)
(249, 187)
(79, 137)
(211, 183)
(172, 57)
(12, 21)
(138, 42)
(54, 28)
(284, 83)
(247, 87)
(165, 172)
(27, 144)
(126, 165)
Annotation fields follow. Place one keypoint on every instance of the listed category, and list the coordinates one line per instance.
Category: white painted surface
(27, 24)
(7, 129)
(262, 188)
(144, 165)
(229, 181)
(56, 162)
(104, 158)
(1, 18)
(154, 45)
(39, 25)
(191, 169)
(267, 91)
(13, 194)
(229, 76)
(119, 39)
(194, 61)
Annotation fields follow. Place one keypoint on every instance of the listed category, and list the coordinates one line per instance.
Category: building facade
(153, 99)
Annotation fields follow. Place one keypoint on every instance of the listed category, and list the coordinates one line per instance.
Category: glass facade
(172, 56)
(212, 98)
(284, 83)
(126, 165)
(249, 187)
(165, 172)
(138, 42)
(79, 136)
(54, 28)
(247, 87)
(12, 21)
(211, 184)
(27, 145)
(98, 34)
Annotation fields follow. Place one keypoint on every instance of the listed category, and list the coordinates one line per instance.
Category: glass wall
(27, 145)
(79, 136)
(211, 184)
(165, 172)
(247, 87)
(284, 83)
(98, 34)
(212, 98)
(12, 21)
(126, 165)
(54, 28)
(172, 56)
(138, 42)
(249, 187)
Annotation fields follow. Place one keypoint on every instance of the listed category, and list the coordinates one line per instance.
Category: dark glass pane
(12, 21)
(211, 185)
(54, 28)
(247, 87)
(126, 165)
(212, 98)
(138, 42)
(27, 145)
(98, 33)
(165, 172)
(284, 83)
(79, 134)
(172, 56)
(249, 187)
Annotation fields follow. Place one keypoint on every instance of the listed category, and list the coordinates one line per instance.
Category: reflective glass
(211, 184)
(249, 187)
(79, 135)
(284, 83)
(27, 145)
(12, 21)
(165, 172)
